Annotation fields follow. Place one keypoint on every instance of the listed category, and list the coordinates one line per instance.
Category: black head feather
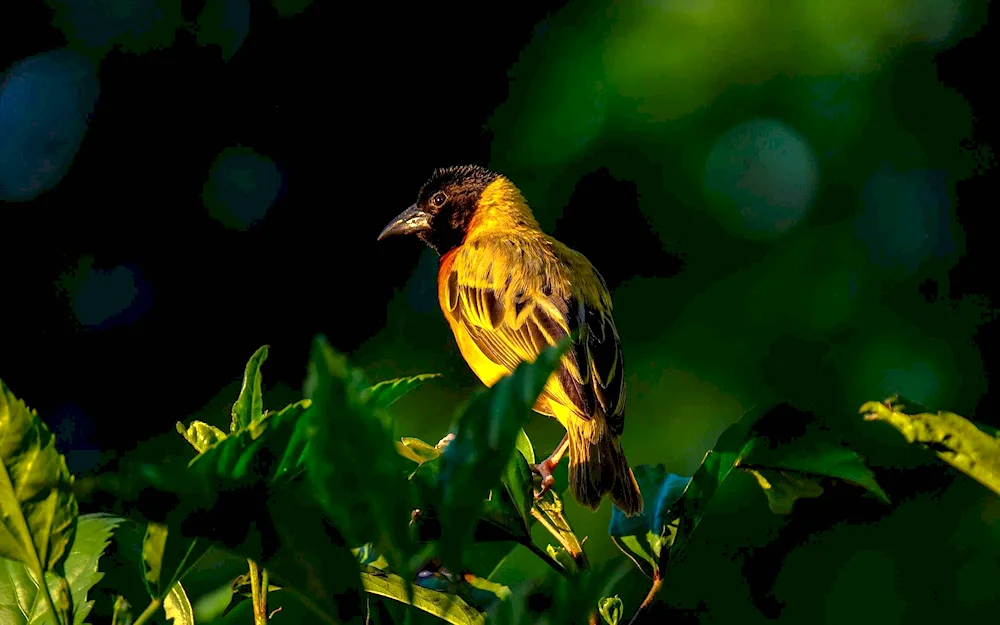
(462, 187)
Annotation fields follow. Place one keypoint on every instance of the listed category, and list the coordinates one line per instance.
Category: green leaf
(266, 451)
(384, 394)
(122, 612)
(417, 450)
(611, 609)
(953, 438)
(281, 528)
(784, 487)
(279, 524)
(449, 607)
(792, 440)
(477, 592)
(359, 478)
(486, 430)
(201, 435)
(783, 439)
(562, 557)
(516, 479)
(19, 588)
(549, 512)
(644, 537)
(523, 445)
(366, 554)
(249, 405)
(292, 461)
(177, 606)
(502, 521)
(572, 599)
(167, 558)
(36, 501)
(484, 592)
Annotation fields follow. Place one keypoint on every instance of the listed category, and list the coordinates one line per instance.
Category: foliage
(334, 510)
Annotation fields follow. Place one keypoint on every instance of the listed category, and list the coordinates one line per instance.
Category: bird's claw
(544, 469)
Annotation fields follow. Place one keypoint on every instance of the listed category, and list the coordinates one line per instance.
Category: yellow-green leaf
(954, 439)
(167, 557)
(177, 606)
(549, 512)
(611, 609)
(122, 612)
(201, 435)
(37, 506)
(417, 450)
(447, 607)
(19, 588)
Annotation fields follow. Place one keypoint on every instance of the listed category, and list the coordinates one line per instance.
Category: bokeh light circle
(45, 104)
(242, 185)
(760, 178)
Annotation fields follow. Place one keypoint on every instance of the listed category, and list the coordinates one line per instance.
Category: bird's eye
(439, 199)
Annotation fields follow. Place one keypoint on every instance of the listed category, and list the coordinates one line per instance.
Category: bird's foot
(545, 469)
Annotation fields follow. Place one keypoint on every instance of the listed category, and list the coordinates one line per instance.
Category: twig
(259, 608)
(653, 590)
(148, 613)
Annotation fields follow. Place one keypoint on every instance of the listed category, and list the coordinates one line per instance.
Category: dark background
(788, 202)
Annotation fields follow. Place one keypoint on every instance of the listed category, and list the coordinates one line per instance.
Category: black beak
(410, 221)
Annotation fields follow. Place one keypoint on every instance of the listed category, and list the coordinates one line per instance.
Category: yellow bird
(508, 290)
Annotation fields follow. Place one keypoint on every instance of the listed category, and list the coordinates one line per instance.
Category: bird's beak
(410, 221)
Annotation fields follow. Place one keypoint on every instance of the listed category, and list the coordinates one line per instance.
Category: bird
(508, 291)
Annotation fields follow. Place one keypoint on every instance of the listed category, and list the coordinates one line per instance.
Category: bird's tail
(597, 466)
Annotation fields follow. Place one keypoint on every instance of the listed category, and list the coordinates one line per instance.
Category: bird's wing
(512, 305)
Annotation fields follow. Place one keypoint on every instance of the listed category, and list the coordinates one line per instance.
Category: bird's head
(447, 204)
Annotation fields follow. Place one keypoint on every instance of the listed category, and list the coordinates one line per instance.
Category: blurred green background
(787, 200)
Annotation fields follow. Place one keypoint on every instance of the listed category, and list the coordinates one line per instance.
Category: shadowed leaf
(385, 394)
(359, 478)
(167, 557)
(281, 528)
(560, 599)
(781, 439)
(486, 430)
(784, 487)
(644, 537)
(279, 524)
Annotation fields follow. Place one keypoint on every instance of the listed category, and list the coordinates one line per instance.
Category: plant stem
(148, 613)
(264, 582)
(653, 590)
(259, 611)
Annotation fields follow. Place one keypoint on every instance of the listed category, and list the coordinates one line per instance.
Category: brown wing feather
(510, 324)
